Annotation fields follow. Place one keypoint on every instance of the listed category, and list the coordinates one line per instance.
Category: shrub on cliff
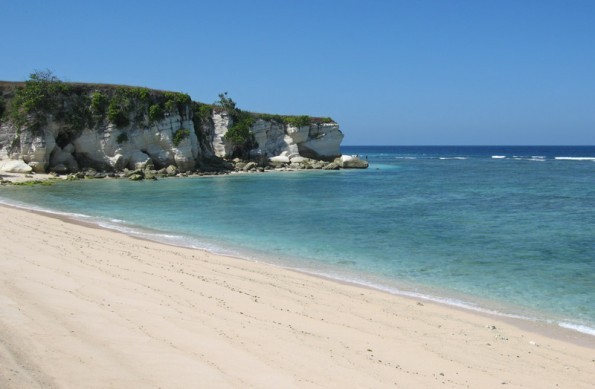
(156, 113)
(238, 134)
(180, 135)
(40, 95)
(44, 96)
(120, 106)
(270, 118)
(177, 101)
(98, 103)
(138, 93)
(297, 121)
(204, 111)
(116, 114)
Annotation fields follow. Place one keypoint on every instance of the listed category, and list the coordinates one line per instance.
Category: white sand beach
(84, 307)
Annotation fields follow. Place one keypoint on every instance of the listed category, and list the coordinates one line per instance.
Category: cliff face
(108, 128)
(105, 147)
(320, 141)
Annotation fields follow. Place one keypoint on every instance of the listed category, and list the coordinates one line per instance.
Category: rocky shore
(217, 167)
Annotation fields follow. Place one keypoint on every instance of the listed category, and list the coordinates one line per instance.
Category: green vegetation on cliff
(71, 108)
(43, 95)
(297, 121)
(238, 134)
(87, 105)
(2, 107)
(180, 135)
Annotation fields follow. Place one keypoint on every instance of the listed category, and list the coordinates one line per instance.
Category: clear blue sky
(390, 72)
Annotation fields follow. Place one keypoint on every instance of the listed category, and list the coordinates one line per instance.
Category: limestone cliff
(47, 125)
(315, 140)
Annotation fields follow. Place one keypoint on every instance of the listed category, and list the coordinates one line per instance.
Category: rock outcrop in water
(50, 126)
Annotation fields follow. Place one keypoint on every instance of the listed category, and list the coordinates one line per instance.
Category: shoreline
(79, 297)
(546, 327)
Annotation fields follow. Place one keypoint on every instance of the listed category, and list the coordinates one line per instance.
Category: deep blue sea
(502, 229)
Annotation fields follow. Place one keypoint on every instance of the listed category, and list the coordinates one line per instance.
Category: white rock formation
(323, 140)
(135, 147)
(54, 146)
(280, 159)
(221, 122)
(110, 147)
(14, 166)
(316, 141)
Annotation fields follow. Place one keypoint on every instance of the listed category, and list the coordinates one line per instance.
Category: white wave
(411, 294)
(458, 158)
(578, 327)
(442, 300)
(575, 158)
(498, 156)
(35, 208)
(538, 158)
(171, 239)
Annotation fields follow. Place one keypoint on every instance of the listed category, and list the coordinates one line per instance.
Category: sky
(442, 72)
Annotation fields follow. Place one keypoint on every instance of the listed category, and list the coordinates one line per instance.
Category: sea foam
(578, 327)
(575, 158)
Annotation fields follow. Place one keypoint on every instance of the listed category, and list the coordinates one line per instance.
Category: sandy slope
(85, 307)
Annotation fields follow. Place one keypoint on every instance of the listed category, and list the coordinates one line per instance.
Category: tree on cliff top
(226, 103)
(38, 96)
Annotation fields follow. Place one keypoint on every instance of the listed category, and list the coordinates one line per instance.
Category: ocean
(506, 230)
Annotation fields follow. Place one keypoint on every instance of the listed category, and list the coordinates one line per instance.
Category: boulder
(298, 159)
(38, 167)
(128, 173)
(150, 174)
(277, 165)
(332, 166)
(319, 165)
(171, 170)
(249, 166)
(15, 166)
(280, 159)
(90, 173)
(351, 162)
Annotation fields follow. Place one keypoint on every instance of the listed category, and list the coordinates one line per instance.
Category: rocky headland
(95, 130)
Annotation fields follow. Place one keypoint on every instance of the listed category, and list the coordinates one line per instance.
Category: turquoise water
(504, 229)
